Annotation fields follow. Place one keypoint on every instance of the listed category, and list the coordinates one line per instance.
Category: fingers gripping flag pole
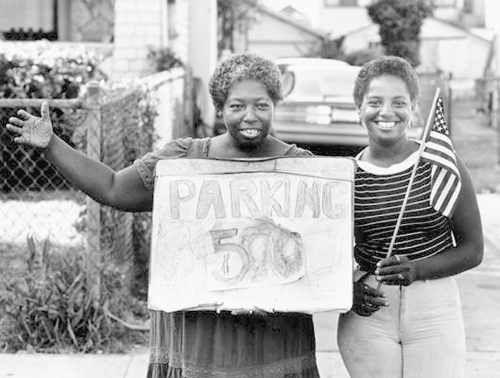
(436, 148)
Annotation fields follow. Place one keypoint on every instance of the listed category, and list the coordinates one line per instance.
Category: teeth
(386, 125)
(250, 132)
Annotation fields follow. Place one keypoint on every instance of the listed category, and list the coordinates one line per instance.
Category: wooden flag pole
(425, 136)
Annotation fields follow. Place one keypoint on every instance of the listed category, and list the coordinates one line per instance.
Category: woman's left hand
(396, 270)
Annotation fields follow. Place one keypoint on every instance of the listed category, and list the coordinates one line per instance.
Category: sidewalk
(481, 304)
(134, 365)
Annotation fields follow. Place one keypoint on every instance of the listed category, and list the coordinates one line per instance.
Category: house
(280, 34)
(444, 47)
(339, 17)
(123, 31)
(449, 39)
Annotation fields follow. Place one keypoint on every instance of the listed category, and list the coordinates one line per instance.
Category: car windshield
(317, 85)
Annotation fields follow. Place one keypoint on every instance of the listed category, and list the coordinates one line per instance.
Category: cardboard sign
(275, 234)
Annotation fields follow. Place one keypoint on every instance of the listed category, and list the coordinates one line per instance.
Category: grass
(13, 259)
(65, 299)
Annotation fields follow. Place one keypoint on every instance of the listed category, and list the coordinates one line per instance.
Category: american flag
(439, 151)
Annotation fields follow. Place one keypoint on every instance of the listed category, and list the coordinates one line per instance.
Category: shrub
(40, 70)
(163, 59)
(49, 307)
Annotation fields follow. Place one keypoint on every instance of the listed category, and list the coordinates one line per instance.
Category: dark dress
(210, 344)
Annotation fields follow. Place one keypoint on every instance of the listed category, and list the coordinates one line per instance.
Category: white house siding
(361, 39)
(138, 24)
(339, 21)
(272, 38)
(464, 58)
(203, 50)
(178, 18)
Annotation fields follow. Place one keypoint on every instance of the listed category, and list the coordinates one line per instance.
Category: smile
(386, 125)
(250, 133)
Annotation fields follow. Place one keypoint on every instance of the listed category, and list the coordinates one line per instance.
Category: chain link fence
(36, 201)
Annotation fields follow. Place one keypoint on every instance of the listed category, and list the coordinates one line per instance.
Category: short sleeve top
(378, 199)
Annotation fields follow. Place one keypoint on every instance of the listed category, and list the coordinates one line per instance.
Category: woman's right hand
(367, 300)
(31, 130)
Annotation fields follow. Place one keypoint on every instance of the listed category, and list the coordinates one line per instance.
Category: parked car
(318, 106)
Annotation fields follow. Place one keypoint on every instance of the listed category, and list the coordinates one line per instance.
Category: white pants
(419, 335)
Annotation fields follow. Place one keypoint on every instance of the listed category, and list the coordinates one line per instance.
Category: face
(248, 113)
(387, 109)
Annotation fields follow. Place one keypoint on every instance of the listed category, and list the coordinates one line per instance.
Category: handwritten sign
(276, 234)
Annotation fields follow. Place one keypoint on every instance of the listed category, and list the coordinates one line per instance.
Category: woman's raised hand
(31, 130)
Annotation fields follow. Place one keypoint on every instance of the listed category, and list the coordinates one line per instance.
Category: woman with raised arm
(244, 89)
(412, 326)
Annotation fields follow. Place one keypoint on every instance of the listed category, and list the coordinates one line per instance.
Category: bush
(163, 59)
(40, 70)
(50, 307)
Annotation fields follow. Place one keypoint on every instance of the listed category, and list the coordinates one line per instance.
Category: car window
(320, 85)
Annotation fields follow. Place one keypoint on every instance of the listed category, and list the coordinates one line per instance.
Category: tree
(400, 23)
(233, 16)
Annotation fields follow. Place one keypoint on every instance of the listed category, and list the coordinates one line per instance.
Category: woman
(412, 326)
(244, 89)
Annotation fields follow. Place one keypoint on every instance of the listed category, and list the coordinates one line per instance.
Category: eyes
(240, 106)
(376, 103)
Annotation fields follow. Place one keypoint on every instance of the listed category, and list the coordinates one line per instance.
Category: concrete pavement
(479, 287)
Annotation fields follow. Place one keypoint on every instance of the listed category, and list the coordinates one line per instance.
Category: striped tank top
(378, 197)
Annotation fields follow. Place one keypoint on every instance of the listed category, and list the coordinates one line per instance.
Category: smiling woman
(406, 302)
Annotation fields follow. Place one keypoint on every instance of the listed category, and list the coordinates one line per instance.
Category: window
(29, 21)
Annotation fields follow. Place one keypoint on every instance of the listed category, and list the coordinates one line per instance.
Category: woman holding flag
(417, 224)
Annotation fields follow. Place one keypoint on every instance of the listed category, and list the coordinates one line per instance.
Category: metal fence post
(188, 100)
(93, 208)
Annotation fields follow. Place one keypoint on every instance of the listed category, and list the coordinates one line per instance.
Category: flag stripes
(438, 150)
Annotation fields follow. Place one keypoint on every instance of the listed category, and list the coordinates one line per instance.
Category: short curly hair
(386, 65)
(244, 67)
